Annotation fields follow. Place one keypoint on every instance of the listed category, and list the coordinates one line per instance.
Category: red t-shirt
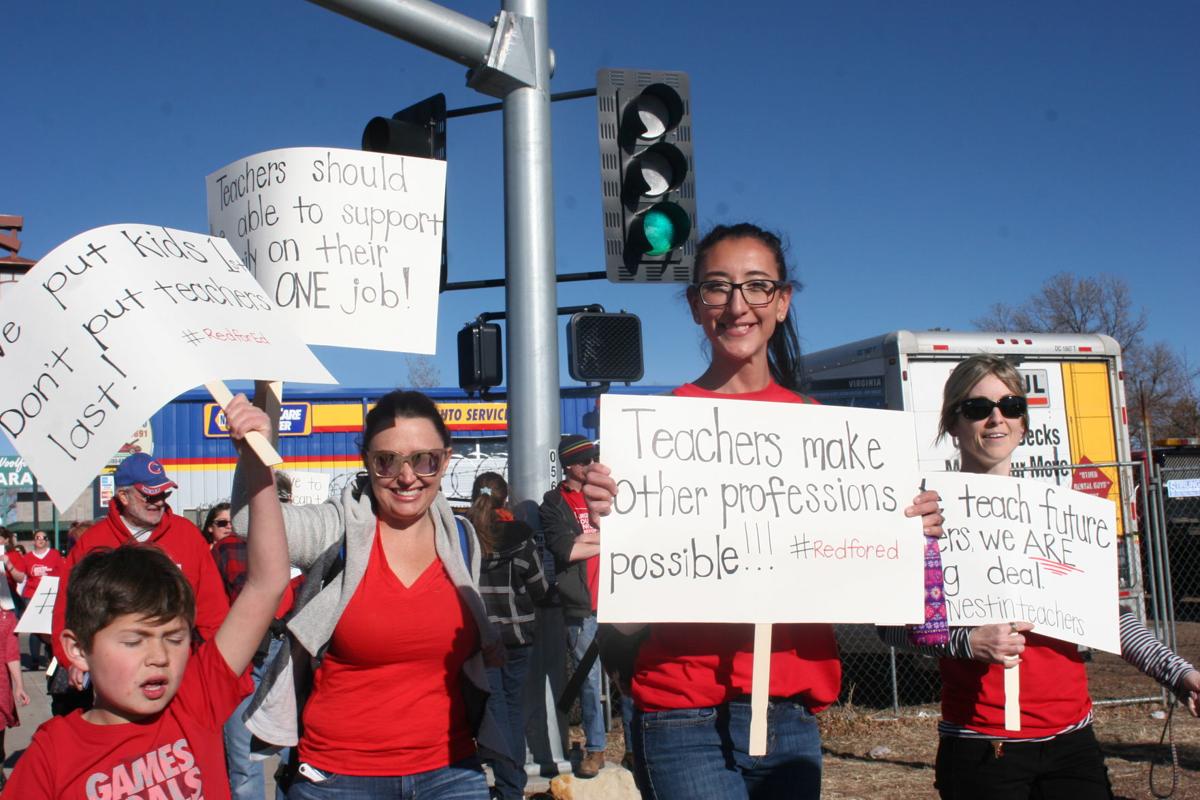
(386, 699)
(38, 567)
(1054, 692)
(177, 754)
(693, 665)
(579, 505)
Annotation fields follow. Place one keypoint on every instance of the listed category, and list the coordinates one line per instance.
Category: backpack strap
(463, 541)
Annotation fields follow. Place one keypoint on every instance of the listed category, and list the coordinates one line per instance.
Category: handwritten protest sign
(734, 511)
(113, 324)
(1020, 549)
(349, 241)
(309, 488)
(40, 612)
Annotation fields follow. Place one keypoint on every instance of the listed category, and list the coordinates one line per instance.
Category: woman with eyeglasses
(1055, 753)
(400, 629)
(691, 682)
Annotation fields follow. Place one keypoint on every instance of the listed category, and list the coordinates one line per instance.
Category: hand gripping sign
(348, 242)
(113, 324)
(1018, 549)
(736, 511)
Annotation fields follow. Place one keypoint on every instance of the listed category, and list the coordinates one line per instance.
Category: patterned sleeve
(535, 576)
(1142, 650)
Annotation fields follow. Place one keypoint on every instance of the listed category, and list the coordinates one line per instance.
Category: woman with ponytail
(691, 682)
(511, 581)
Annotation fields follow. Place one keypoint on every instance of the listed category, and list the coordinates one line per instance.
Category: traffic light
(480, 357)
(604, 347)
(420, 131)
(646, 175)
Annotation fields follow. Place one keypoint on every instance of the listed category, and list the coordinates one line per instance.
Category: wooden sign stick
(258, 443)
(1012, 698)
(760, 689)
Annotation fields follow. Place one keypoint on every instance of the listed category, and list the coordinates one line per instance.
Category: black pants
(1070, 767)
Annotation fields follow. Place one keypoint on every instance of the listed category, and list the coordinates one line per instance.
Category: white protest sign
(309, 488)
(349, 242)
(736, 511)
(40, 612)
(1020, 549)
(113, 324)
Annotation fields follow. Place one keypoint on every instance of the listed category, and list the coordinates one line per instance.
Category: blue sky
(925, 159)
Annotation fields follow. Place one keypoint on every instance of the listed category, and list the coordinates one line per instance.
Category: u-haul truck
(1078, 426)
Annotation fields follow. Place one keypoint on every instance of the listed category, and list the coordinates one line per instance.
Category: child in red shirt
(155, 728)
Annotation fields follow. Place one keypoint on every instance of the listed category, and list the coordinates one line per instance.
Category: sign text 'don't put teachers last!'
(111, 325)
(348, 243)
(739, 511)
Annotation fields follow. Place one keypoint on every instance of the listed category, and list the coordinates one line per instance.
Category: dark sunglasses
(977, 408)
(153, 498)
(222, 523)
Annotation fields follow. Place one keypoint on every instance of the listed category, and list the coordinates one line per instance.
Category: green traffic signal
(665, 226)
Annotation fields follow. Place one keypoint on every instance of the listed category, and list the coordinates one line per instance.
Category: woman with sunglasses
(399, 630)
(217, 524)
(1055, 754)
(691, 682)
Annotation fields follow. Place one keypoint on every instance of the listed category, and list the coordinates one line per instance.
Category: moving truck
(1078, 427)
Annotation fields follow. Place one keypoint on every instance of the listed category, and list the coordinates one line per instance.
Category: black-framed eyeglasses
(388, 463)
(153, 498)
(757, 292)
(976, 408)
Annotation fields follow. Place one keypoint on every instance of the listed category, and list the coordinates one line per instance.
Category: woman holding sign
(1055, 753)
(394, 615)
(692, 682)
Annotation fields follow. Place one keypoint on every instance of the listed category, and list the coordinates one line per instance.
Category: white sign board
(40, 612)
(309, 488)
(112, 325)
(349, 241)
(1021, 549)
(1183, 487)
(738, 511)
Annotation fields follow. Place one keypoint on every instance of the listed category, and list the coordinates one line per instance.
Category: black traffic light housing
(604, 347)
(647, 176)
(419, 131)
(480, 357)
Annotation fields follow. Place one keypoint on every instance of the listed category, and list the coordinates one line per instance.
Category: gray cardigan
(314, 531)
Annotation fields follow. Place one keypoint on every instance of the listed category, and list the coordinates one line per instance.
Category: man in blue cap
(138, 514)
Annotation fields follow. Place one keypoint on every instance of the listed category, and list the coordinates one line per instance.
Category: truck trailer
(1078, 433)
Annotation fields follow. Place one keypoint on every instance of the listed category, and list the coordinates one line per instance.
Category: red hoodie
(175, 536)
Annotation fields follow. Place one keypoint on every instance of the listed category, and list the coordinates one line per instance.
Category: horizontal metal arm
(425, 24)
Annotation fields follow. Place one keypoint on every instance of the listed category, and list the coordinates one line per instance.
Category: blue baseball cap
(144, 473)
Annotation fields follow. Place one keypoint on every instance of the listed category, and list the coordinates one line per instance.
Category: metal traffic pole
(511, 60)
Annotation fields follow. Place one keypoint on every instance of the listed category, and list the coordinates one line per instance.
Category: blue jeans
(245, 774)
(508, 707)
(702, 752)
(463, 780)
(580, 633)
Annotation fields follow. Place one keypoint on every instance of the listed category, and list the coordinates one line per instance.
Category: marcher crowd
(382, 645)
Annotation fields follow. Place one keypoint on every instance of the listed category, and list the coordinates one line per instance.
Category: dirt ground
(1129, 735)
